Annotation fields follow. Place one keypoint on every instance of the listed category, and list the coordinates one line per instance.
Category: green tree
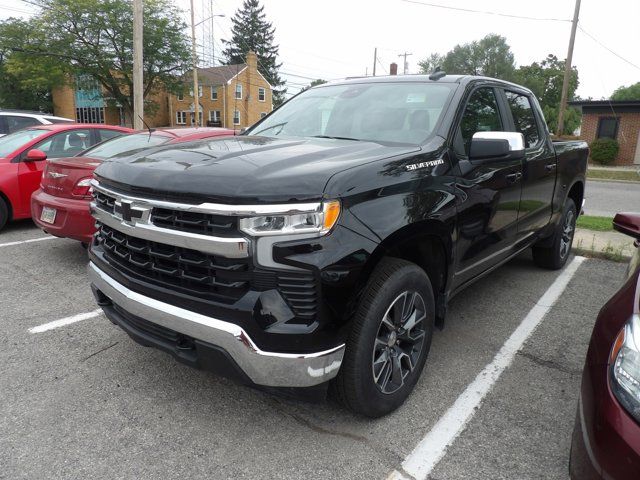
(490, 56)
(429, 64)
(26, 82)
(95, 38)
(632, 92)
(545, 79)
(251, 31)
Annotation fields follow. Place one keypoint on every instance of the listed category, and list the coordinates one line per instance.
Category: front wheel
(556, 254)
(4, 214)
(390, 340)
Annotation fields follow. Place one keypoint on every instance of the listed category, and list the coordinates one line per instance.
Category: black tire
(554, 255)
(4, 214)
(367, 354)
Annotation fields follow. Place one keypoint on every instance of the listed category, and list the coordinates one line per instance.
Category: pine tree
(252, 31)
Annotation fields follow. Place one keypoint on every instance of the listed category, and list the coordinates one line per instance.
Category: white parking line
(426, 455)
(39, 239)
(65, 321)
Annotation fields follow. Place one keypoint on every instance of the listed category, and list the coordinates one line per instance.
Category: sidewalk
(609, 245)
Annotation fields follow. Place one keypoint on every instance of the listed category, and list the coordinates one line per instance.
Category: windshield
(403, 112)
(13, 141)
(125, 145)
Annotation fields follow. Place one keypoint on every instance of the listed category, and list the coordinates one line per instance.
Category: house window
(214, 115)
(181, 96)
(193, 118)
(608, 127)
(181, 118)
(239, 91)
(199, 91)
(90, 115)
(262, 94)
(263, 114)
(236, 117)
(214, 93)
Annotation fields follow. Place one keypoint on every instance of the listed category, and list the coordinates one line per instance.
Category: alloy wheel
(399, 341)
(568, 229)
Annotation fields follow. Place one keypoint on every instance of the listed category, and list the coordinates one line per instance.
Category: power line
(486, 12)
(607, 48)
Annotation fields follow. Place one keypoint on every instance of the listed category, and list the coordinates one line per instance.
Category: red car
(606, 437)
(23, 154)
(61, 206)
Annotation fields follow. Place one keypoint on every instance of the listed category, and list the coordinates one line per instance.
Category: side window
(16, 123)
(523, 117)
(480, 115)
(66, 144)
(108, 134)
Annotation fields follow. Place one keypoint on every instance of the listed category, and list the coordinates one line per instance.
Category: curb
(607, 180)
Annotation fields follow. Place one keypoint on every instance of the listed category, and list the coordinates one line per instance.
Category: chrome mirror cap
(515, 139)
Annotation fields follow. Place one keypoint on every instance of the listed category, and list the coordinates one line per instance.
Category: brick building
(84, 100)
(231, 96)
(618, 119)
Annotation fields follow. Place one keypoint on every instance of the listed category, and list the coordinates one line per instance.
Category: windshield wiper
(336, 138)
(269, 128)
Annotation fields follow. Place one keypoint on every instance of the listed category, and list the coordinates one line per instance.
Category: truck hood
(243, 169)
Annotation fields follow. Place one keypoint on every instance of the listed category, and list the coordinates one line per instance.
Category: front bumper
(271, 369)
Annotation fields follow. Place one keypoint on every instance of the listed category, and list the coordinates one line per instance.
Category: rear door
(489, 190)
(539, 168)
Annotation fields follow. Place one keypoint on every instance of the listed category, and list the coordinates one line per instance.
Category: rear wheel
(4, 214)
(555, 255)
(388, 346)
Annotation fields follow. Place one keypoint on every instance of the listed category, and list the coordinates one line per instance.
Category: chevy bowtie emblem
(57, 175)
(125, 210)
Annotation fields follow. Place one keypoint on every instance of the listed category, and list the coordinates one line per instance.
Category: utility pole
(138, 92)
(405, 65)
(196, 97)
(567, 70)
(375, 60)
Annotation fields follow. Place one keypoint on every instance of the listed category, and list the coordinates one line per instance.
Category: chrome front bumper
(263, 368)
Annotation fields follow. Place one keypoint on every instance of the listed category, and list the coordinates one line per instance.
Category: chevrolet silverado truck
(319, 250)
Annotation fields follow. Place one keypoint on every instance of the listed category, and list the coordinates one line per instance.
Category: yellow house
(230, 96)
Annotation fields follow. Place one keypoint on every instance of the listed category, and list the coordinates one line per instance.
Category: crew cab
(321, 247)
(61, 205)
(23, 154)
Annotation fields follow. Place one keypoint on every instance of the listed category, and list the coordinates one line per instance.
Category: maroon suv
(606, 437)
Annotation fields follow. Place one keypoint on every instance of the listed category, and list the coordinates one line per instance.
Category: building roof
(219, 75)
(607, 106)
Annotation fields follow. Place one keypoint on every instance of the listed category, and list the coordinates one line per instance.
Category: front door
(539, 170)
(489, 191)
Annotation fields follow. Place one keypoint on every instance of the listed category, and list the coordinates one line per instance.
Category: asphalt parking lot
(84, 401)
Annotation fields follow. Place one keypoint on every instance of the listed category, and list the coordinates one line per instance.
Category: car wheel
(4, 214)
(556, 254)
(390, 339)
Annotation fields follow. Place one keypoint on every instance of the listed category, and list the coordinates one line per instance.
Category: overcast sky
(336, 38)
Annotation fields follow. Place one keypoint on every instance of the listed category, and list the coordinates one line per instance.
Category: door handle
(550, 167)
(514, 177)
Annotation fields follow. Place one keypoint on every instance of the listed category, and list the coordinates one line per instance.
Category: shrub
(604, 150)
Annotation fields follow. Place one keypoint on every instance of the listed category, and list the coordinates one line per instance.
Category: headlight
(625, 367)
(320, 222)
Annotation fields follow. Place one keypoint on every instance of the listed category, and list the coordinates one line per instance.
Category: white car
(12, 120)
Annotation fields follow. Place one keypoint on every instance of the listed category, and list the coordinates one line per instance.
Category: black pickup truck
(318, 250)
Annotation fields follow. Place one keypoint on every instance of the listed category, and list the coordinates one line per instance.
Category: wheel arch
(429, 245)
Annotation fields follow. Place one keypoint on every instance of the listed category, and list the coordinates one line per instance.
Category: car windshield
(13, 141)
(399, 112)
(125, 145)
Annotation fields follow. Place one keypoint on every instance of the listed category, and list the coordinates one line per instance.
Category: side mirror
(628, 223)
(496, 146)
(35, 155)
